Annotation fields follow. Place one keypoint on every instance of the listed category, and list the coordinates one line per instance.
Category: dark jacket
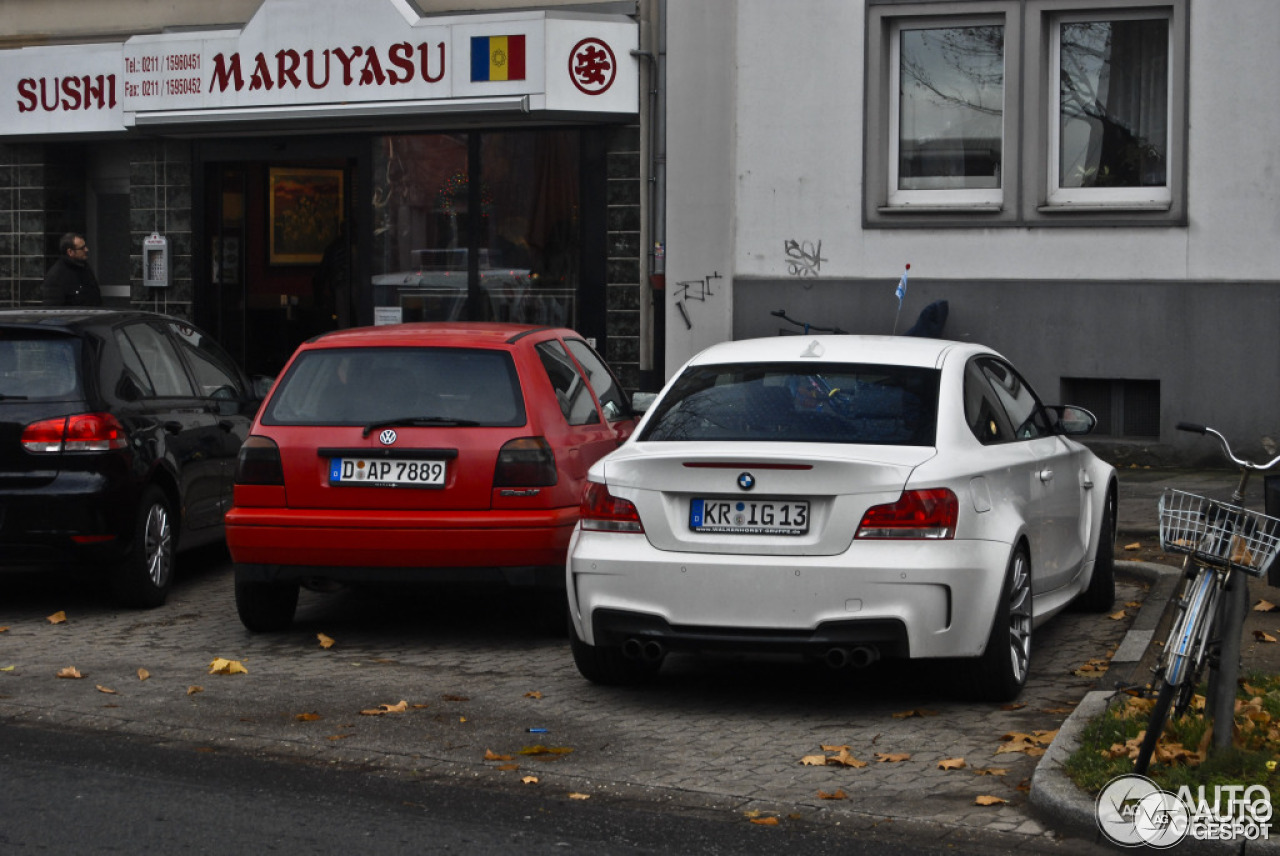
(70, 284)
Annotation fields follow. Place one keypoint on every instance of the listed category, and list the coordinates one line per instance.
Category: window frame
(1030, 121)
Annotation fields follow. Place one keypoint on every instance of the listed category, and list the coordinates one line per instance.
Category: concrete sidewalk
(1054, 797)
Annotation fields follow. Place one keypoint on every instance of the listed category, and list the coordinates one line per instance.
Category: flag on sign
(901, 290)
(497, 58)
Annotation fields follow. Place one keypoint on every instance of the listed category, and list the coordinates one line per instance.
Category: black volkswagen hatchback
(119, 432)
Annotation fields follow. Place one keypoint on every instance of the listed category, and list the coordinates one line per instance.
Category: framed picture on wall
(306, 207)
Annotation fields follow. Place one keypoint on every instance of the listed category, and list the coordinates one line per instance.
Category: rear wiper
(418, 420)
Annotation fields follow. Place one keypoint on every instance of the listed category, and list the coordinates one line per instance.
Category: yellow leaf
(989, 800)
(143, 674)
(1264, 606)
(58, 617)
(1116, 616)
(1134, 546)
(4, 629)
(838, 795)
(754, 812)
(951, 764)
(307, 717)
(8, 669)
(387, 708)
(325, 641)
(507, 767)
(103, 689)
(221, 666)
(814, 760)
(765, 821)
(338, 736)
(579, 796)
(545, 750)
(70, 672)
(892, 757)
(530, 780)
(1263, 636)
(534, 694)
(826, 748)
(490, 755)
(193, 689)
(844, 759)
(1017, 705)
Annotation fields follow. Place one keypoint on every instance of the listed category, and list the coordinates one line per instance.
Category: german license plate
(749, 516)
(386, 472)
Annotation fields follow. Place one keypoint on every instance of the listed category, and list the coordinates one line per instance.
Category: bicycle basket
(1218, 533)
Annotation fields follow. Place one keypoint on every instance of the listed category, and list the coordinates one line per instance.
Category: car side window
(133, 383)
(572, 392)
(215, 373)
(162, 365)
(613, 400)
(1017, 399)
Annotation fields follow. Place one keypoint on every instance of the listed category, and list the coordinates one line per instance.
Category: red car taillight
(525, 462)
(83, 432)
(259, 462)
(927, 514)
(603, 512)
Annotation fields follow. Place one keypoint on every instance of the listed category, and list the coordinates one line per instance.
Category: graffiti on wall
(804, 258)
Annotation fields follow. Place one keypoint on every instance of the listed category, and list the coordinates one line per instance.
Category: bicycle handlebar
(1196, 428)
(782, 313)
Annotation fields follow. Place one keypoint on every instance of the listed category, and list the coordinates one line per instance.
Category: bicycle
(1221, 542)
(804, 326)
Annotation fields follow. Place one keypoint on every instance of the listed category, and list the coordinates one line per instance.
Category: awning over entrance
(330, 62)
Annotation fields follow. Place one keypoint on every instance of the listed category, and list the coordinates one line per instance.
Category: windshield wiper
(418, 420)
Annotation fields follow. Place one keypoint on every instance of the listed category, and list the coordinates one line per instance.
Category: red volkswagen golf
(447, 452)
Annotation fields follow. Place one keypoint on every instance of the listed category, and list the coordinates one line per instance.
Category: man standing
(70, 281)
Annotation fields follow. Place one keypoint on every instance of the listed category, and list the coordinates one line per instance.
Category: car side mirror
(1073, 421)
(642, 401)
(262, 385)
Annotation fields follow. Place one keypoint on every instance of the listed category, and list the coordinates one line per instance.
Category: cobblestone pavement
(713, 734)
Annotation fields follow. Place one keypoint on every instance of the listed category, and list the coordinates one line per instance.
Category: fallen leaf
(193, 689)
(1017, 705)
(70, 672)
(990, 771)
(951, 764)
(325, 641)
(386, 708)
(892, 757)
(844, 759)
(1093, 668)
(579, 796)
(826, 748)
(1134, 604)
(4, 629)
(143, 674)
(507, 767)
(765, 821)
(307, 717)
(221, 666)
(339, 736)
(58, 617)
(534, 694)
(838, 795)
(546, 750)
(455, 698)
(814, 760)
(1116, 616)
(1263, 636)
(530, 780)
(989, 800)
(8, 668)
(917, 712)
(490, 755)
(103, 689)
(1134, 546)
(1264, 606)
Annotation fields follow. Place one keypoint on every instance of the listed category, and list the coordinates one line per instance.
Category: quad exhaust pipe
(650, 651)
(859, 656)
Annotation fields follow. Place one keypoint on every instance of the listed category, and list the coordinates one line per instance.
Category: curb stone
(1054, 798)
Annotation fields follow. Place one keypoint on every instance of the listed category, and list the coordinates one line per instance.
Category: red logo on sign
(592, 66)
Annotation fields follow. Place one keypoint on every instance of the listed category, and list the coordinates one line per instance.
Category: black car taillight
(83, 432)
(259, 462)
(525, 462)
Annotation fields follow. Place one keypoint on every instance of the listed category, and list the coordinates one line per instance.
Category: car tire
(1100, 595)
(265, 607)
(607, 665)
(145, 576)
(1000, 672)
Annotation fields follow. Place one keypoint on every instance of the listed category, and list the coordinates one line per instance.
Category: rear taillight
(525, 462)
(603, 512)
(927, 514)
(259, 462)
(83, 432)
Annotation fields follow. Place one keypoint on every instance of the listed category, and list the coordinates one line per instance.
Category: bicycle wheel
(1155, 727)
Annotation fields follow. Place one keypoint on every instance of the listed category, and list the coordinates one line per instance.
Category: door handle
(1046, 476)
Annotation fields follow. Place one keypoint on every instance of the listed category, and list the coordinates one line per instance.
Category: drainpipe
(653, 50)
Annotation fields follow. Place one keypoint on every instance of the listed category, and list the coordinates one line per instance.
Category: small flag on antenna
(901, 290)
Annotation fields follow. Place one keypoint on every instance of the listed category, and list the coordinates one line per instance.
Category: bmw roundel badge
(746, 481)
(387, 437)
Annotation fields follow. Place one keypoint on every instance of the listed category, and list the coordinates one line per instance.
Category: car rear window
(39, 368)
(360, 386)
(785, 402)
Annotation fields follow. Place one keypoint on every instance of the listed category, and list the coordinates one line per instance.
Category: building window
(1033, 113)
(1124, 408)
(948, 108)
(1112, 114)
